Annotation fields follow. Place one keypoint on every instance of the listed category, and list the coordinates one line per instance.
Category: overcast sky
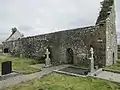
(33, 17)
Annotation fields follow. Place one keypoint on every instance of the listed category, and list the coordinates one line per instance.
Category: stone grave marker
(6, 67)
(47, 60)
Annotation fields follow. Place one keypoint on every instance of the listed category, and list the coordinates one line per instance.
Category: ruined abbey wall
(74, 44)
(79, 40)
(111, 38)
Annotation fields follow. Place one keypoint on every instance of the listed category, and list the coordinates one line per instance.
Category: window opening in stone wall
(113, 58)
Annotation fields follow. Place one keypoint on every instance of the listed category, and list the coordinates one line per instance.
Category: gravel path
(24, 78)
(109, 76)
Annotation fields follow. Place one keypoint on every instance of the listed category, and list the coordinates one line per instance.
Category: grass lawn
(56, 81)
(115, 66)
(20, 64)
(1, 54)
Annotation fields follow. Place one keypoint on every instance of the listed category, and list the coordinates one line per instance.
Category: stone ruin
(73, 46)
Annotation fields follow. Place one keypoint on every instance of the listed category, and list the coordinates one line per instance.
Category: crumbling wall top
(105, 10)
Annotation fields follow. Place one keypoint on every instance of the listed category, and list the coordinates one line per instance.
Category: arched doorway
(69, 54)
(50, 55)
(6, 50)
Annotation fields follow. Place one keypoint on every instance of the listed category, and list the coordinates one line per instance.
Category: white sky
(34, 17)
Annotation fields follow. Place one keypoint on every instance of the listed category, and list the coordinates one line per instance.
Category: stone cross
(47, 53)
(47, 60)
(91, 60)
(92, 52)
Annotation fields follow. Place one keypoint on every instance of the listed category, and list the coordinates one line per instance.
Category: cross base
(47, 66)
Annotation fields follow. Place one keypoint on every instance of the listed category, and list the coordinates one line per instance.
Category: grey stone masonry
(72, 46)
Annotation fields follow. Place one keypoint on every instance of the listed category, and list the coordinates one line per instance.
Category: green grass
(1, 54)
(115, 66)
(56, 81)
(21, 64)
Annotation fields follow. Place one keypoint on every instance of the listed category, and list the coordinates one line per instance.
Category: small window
(111, 32)
(101, 24)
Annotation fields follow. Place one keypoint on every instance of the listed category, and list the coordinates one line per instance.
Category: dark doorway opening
(6, 50)
(113, 58)
(50, 55)
(69, 54)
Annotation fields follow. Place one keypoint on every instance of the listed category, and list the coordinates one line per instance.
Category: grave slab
(75, 70)
(6, 68)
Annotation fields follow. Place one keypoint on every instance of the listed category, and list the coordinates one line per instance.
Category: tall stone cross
(92, 52)
(47, 53)
(47, 60)
(91, 60)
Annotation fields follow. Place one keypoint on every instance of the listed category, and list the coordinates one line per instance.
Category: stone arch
(69, 56)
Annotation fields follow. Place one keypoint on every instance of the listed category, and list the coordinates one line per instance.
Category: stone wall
(99, 45)
(106, 19)
(79, 40)
(111, 38)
